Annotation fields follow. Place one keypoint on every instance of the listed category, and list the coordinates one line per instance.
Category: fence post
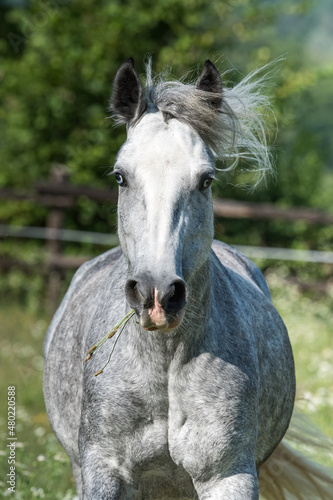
(54, 223)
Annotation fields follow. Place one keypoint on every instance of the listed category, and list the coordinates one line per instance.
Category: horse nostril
(133, 293)
(131, 286)
(175, 300)
(139, 294)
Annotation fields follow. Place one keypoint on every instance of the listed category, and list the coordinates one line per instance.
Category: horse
(200, 389)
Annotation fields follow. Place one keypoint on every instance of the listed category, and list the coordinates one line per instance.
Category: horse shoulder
(81, 278)
(256, 340)
(243, 310)
(233, 259)
(65, 347)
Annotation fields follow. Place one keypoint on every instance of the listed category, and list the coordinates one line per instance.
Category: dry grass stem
(109, 335)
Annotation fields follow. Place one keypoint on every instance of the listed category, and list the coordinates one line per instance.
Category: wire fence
(59, 195)
(70, 235)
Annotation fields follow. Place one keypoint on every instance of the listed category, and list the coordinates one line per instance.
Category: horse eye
(120, 179)
(206, 182)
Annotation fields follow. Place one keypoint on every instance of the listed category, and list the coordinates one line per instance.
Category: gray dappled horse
(200, 389)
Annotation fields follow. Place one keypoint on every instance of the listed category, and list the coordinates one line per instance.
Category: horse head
(164, 171)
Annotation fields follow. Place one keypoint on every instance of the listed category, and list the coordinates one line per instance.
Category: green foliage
(58, 74)
(59, 58)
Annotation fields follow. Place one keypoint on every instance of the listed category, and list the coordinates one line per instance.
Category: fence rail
(59, 195)
(63, 196)
(247, 210)
(253, 252)
(47, 233)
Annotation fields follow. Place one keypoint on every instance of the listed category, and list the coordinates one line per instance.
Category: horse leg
(242, 486)
(98, 483)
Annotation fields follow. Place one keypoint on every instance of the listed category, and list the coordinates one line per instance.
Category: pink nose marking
(156, 313)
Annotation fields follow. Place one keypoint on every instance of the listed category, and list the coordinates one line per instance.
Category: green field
(43, 469)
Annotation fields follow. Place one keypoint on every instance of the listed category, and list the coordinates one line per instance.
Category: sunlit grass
(42, 467)
(309, 320)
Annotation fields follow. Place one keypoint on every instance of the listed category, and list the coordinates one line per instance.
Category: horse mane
(236, 132)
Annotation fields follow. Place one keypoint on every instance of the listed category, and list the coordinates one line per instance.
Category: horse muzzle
(160, 306)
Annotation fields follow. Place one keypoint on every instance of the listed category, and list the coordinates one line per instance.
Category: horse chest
(160, 421)
(133, 431)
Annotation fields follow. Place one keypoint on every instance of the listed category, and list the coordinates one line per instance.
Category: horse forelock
(236, 131)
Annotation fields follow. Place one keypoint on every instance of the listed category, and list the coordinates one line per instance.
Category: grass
(309, 320)
(42, 467)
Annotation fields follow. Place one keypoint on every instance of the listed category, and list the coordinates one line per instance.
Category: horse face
(165, 218)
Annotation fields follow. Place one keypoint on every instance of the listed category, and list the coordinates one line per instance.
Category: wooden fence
(59, 195)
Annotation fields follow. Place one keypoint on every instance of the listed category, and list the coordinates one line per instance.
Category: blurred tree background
(58, 60)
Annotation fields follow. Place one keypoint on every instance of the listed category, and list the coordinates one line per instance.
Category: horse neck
(198, 306)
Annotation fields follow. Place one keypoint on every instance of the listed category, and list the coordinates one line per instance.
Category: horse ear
(211, 81)
(127, 99)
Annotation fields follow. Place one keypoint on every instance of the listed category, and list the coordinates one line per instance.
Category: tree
(60, 57)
